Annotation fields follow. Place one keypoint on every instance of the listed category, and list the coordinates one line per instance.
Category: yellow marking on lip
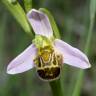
(49, 63)
(46, 56)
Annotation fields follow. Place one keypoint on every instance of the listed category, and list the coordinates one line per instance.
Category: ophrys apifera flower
(46, 53)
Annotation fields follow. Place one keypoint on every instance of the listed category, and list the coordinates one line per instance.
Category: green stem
(56, 88)
(56, 84)
(79, 81)
(77, 89)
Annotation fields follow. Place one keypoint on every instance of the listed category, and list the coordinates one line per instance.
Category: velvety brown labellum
(49, 73)
(48, 63)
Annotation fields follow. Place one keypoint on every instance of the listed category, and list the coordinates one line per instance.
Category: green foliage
(80, 76)
(76, 21)
(19, 15)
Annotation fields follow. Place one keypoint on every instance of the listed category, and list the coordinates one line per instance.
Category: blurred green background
(72, 18)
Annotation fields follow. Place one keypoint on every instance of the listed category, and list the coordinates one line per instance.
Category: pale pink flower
(41, 26)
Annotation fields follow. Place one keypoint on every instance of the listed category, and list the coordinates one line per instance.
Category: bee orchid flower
(46, 53)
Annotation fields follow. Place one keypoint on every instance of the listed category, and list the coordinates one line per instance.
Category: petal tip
(87, 66)
(9, 70)
(32, 11)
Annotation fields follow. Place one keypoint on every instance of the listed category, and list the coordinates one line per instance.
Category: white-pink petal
(72, 56)
(23, 62)
(40, 23)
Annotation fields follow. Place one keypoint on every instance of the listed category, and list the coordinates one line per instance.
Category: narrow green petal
(28, 5)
